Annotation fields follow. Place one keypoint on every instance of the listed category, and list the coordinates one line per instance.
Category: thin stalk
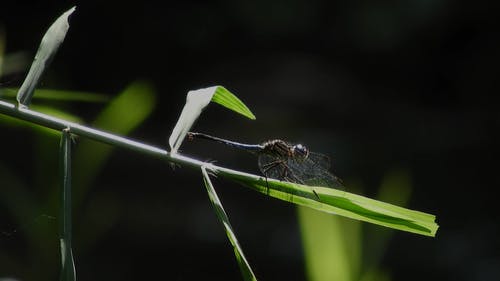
(245, 268)
(105, 137)
(67, 262)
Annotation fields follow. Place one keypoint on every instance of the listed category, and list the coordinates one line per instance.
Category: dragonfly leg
(278, 163)
(267, 185)
(294, 178)
(265, 170)
(285, 174)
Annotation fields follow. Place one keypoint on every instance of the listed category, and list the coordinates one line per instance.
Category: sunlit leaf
(46, 52)
(341, 203)
(196, 101)
(225, 98)
(245, 268)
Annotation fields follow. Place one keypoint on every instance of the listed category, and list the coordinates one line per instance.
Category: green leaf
(225, 98)
(62, 95)
(127, 111)
(331, 245)
(245, 268)
(339, 202)
(67, 263)
(46, 52)
(196, 101)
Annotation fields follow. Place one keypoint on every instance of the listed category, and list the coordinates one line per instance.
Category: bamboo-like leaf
(245, 268)
(225, 98)
(68, 272)
(46, 52)
(341, 203)
(196, 101)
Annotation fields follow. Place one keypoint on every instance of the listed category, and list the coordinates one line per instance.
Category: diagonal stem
(109, 138)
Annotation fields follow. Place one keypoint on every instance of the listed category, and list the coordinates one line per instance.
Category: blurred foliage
(334, 247)
(122, 115)
(59, 95)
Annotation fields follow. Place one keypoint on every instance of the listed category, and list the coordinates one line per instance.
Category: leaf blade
(340, 202)
(227, 99)
(68, 272)
(196, 101)
(49, 45)
(245, 268)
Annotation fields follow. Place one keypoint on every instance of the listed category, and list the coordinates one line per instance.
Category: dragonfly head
(300, 151)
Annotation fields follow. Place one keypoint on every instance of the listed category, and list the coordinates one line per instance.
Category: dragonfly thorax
(282, 149)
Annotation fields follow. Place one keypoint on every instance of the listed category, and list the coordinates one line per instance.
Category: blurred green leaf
(127, 111)
(15, 122)
(331, 245)
(395, 187)
(61, 95)
(123, 114)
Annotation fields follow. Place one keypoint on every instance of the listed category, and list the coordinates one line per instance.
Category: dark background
(402, 85)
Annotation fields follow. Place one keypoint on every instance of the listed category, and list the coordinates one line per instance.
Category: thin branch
(104, 137)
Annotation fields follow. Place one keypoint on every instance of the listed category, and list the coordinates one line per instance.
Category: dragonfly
(284, 161)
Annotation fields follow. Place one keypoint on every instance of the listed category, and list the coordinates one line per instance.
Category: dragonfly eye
(300, 151)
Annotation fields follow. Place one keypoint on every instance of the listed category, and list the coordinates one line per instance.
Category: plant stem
(105, 137)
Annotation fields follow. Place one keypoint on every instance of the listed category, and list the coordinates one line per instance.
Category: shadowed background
(396, 88)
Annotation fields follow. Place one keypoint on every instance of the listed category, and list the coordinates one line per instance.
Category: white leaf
(46, 52)
(196, 101)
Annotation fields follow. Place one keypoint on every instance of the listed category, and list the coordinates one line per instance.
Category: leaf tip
(227, 99)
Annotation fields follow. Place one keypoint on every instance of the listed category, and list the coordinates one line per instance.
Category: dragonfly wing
(320, 160)
(312, 173)
(302, 171)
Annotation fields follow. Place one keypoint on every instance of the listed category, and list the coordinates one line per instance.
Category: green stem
(67, 262)
(105, 137)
